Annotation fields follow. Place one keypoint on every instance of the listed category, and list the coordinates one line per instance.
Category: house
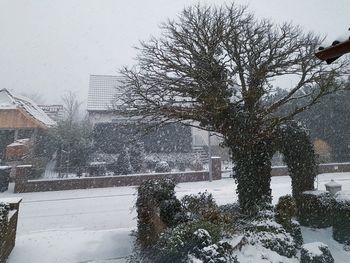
(55, 112)
(19, 118)
(333, 52)
(103, 103)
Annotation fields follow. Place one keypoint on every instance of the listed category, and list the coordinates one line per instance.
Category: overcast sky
(50, 47)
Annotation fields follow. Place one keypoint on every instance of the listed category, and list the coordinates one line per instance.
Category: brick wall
(22, 184)
(8, 233)
(322, 168)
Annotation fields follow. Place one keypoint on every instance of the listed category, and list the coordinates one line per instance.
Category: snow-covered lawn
(94, 225)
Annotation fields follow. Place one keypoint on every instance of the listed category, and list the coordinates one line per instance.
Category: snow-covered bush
(268, 233)
(341, 218)
(151, 162)
(285, 210)
(316, 209)
(175, 244)
(202, 206)
(170, 212)
(155, 208)
(4, 210)
(196, 164)
(196, 203)
(162, 167)
(316, 252)
(222, 252)
(123, 165)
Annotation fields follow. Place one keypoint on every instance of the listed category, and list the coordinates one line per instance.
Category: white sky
(51, 46)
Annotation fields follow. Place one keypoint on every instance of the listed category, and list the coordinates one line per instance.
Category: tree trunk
(253, 176)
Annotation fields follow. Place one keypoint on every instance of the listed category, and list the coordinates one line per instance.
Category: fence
(23, 184)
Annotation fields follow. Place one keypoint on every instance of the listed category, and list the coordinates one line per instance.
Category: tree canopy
(218, 68)
(214, 65)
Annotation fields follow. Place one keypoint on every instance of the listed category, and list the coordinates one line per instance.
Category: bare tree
(217, 67)
(71, 106)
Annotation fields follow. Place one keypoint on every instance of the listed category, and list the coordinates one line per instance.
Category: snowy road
(93, 225)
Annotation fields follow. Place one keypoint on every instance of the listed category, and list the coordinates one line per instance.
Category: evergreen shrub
(316, 252)
(156, 207)
(316, 209)
(176, 243)
(285, 211)
(341, 220)
(162, 167)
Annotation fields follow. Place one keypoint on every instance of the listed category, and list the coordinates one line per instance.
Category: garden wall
(9, 230)
(22, 184)
(322, 168)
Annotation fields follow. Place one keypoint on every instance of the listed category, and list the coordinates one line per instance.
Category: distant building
(55, 112)
(103, 103)
(20, 118)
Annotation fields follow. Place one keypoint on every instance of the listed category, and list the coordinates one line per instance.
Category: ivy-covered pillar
(299, 156)
(253, 175)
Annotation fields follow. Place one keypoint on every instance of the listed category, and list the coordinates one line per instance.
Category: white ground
(94, 225)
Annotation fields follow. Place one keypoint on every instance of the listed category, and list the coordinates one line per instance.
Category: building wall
(16, 119)
(199, 136)
(55, 112)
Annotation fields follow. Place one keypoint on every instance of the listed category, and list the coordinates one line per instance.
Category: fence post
(21, 178)
(216, 167)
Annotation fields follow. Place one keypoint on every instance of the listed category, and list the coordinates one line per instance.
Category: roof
(103, 92)
(335, 51)
(11, 101)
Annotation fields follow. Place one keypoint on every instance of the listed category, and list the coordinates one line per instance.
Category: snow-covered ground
(94, 225)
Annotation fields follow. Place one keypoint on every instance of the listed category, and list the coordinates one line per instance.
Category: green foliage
(175, 243)
(228, 93)
(221, 252)
(202, 206)
(74, 143)
(253, 173)
(307, 254)
(162, 167)
(169, 211)
(154, 203)
(285, 210)
(341, 221)
(123, 165)
(293, 141)
(45, 144)
(137, 156)
(199, 202)
(196, 164)
(316, 209)
(111, 138)
(4, 210)
(271, 235)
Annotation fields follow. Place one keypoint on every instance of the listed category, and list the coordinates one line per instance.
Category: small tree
(137, 156)
(73, 136)
(217, 67)
(123, 165)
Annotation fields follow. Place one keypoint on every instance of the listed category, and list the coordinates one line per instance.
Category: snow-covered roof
(103, 92)
(11, 101)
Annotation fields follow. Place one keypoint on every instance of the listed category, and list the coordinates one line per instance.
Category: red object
(332, 53)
